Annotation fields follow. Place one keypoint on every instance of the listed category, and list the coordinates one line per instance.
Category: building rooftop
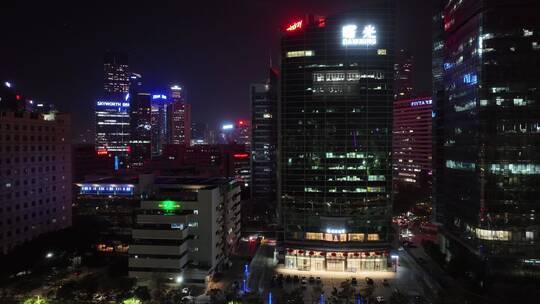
(201, 182)
(113, 180)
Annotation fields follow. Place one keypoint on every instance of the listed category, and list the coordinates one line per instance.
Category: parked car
(296, 279)
(288, 278)
(303, 281)
(354, 281)
(318, 280)
(385, 282)
(311, 280)
(369, 281)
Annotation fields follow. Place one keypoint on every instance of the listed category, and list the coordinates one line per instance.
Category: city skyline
(73, 46)
(258, 151)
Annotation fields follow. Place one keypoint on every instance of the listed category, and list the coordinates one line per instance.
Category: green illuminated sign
(169, 206)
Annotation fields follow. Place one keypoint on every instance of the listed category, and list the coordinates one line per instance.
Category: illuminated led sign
(227, 127)
(335, 231)
(159, 96)
(306, 53)
(418, 103)
(295, 26)
(349, 35)
(470, 78)
(106, 189)
(102, 152)
(169, 206)
(112, 104)
(176, 88)
(241, 155)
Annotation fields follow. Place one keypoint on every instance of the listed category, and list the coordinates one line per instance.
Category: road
(261, 269)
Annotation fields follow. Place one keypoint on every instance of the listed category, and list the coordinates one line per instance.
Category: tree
(36, 300)
(142, 293)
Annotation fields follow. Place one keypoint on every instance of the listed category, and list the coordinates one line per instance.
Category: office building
(337, 94)
(403, 72)
(264, 103)
(109, 204)
(412, 141)
(242, 133)
(238, 132)
(35, 175)
(87, 163)
(159, 123)
(115, 73)
(113, 130)
(179, 112)
(186, 228)
(140, 128)
(199, 133)
(487, 181)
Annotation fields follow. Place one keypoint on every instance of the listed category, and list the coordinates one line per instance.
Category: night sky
(53, 51)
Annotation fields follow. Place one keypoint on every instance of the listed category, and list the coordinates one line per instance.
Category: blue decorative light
(470, 79)
(159, 96)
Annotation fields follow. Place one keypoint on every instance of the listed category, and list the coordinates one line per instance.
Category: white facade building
(185, 229)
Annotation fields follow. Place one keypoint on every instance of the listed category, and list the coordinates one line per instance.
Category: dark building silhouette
(264, 128)
(403, 73)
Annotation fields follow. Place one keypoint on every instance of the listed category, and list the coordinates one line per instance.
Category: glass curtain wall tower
(488, 182)
(336, 139)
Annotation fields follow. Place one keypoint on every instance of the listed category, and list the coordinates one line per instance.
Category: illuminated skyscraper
(264, 103)
(335, 146)
(489, 175)
(412, 141)
(141, 128)
(113, 129)
(403, 72)
(179, 112)
(115, 73)
(159, 123)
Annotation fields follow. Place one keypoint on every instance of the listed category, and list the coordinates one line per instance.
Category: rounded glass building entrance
(336, 261)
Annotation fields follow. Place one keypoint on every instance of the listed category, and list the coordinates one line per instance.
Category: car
(311, 280)
(318, 280)
(354, 281)
(385, 283)
(296, 279)
(288, 278)
(369, 281)
(303, 281)
(379, 299)
(280, 276)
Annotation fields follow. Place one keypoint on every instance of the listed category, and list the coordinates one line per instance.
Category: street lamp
(179, 279)
(49, 255)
